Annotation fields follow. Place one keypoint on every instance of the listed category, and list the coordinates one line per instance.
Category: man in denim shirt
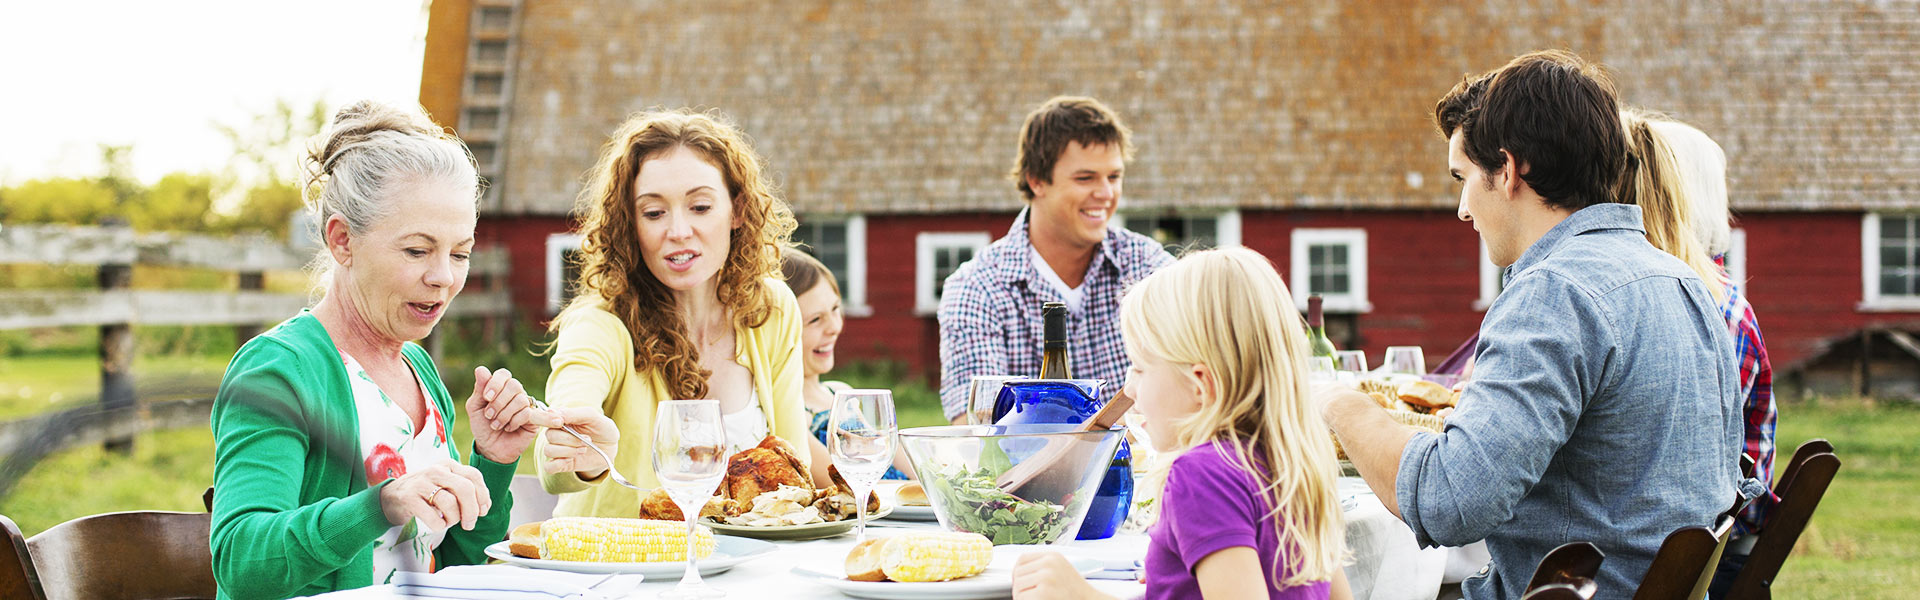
(1604, 405)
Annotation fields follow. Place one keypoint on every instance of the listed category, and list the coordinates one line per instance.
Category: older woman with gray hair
(332, 464)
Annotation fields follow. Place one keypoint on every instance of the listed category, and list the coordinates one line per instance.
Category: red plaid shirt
(990, 313)
(1756, 385)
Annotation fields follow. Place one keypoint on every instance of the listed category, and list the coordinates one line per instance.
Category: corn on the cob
(598, 539)
(935, 556)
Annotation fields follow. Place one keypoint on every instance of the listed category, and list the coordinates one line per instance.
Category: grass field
(1863, 543)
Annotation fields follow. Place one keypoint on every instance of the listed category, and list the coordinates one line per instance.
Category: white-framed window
(1181, 231)
(841, 244)
(936, 255)
(1333, 264)
(1890, 262)
(562, 273)
(1491, 283)
(1736, 259)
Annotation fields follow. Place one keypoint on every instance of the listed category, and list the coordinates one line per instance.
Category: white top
(389, 447)
(1073, 297)
(745, 427)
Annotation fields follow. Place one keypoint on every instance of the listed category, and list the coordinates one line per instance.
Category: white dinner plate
(995, 582)
(729, 551)
(890, 495)
(913, 513)
(810, 531)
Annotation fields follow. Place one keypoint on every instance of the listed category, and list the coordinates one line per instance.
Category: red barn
(1301, 131)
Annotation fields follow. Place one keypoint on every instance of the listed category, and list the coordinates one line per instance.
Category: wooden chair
(1560, 591)
(1800, 487)
(17, 578)
(1567, 572)
(530, 501)
(142, 554)
(1684, 565)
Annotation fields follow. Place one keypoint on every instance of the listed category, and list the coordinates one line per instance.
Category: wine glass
(861, 443)
(983, 391)
(1320, 368)
(1350, 360)
(690, 458)
(1406, 360)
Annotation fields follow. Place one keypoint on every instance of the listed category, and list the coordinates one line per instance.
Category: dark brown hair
(802, 272)
(1065, 119)
(1452, 109)
(614, 275)
(1558, 115)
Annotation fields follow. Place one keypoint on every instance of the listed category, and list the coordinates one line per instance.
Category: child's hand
(1048, 576)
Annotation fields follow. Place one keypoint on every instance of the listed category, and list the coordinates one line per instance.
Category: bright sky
(158, 74)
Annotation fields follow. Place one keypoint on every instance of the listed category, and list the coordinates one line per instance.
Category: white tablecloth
(1387, 563)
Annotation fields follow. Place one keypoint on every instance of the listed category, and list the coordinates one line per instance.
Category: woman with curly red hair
(679, 298)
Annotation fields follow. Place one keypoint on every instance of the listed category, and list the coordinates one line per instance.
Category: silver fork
(612, 473)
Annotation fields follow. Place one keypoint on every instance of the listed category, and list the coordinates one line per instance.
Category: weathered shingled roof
(885, 106)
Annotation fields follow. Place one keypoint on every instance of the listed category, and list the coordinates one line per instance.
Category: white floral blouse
(389, 447)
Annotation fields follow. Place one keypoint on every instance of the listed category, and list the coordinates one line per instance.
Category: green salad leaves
(975, 504)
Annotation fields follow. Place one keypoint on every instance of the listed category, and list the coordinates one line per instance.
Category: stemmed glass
(690, 458)
(1406, 360)
(983, 391)
(1320, 368)
(1354, 361)
(861, 443)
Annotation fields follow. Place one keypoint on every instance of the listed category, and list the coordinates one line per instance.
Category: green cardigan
(292, 513)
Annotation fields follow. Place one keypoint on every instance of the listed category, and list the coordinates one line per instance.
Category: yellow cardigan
(593, 366)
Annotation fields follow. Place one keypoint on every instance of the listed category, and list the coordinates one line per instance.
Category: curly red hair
(614, 275)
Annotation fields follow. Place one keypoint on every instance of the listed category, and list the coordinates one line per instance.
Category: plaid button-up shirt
(990, 313)
(1756, 390)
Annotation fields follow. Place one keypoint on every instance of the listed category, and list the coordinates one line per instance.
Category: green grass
(167, 470)
(38, 384)
(1864, 540)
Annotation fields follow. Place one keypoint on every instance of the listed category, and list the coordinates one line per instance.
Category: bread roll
(1426, 393)
(524, 541)
(863, 563)
(911, 494)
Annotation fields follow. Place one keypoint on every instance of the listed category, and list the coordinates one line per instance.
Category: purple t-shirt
(1208, 506)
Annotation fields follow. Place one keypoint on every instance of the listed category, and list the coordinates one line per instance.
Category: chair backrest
(1802, 485)
(530, 501)
(1560, 591)
(144, 554)
(1684, 565)
(1570, 566)
(1806, 451)
(17, 578)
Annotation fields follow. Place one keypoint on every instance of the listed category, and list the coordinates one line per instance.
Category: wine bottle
(1053, 358)
(1317, 340)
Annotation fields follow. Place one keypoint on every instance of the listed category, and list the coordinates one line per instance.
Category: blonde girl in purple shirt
(1219, 371)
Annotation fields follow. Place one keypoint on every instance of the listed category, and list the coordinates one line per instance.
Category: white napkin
(508, 582)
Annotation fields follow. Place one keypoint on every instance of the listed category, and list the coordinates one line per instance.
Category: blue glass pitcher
(1073, 401)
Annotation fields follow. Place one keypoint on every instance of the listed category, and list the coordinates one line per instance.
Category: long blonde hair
(614, 274)
(1228, 310)
(1658, 184)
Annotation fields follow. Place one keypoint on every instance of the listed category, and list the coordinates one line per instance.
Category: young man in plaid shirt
(1060, 249)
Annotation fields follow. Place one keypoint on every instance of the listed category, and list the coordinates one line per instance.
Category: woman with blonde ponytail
(1655, 181)
(1219, 372)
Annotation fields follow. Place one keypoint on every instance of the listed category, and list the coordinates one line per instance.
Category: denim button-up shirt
(1604, 408)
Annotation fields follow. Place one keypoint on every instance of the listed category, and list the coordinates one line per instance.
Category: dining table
(1386, 562)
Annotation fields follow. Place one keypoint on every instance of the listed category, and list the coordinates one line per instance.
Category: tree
(178, 202)
(267, 152)
(62, 200)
